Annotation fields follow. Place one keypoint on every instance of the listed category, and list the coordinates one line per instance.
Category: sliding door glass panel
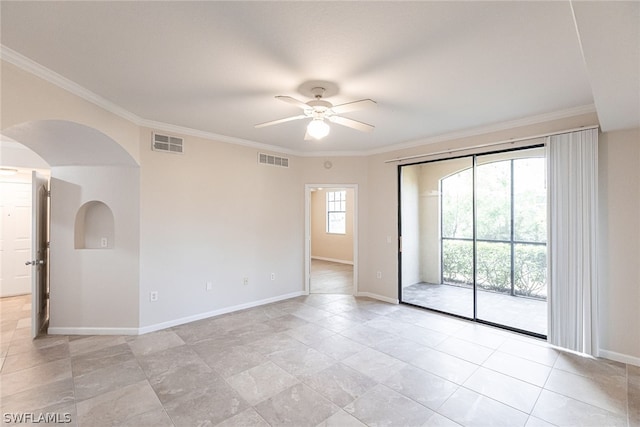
(493, 201)
(530, 198)
(474, 238)
(456, 239)
(511, 240)
(437, 235)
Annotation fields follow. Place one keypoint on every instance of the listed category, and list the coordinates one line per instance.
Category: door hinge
(399, 243)
(48, 245)
(48, 193)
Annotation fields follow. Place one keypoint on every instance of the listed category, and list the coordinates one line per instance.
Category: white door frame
(307, 232)
(39, 254)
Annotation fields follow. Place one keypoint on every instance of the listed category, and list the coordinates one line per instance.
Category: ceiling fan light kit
(318, 128)
(318, 110)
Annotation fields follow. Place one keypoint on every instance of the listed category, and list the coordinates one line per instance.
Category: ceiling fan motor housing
(319, 106)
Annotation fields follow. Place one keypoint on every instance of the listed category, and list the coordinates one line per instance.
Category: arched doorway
(91, 290)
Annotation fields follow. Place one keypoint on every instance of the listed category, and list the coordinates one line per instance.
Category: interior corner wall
(619, 245)
(333, 247)
(94, 290)
(214, 214)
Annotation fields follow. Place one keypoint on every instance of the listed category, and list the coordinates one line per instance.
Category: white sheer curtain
(572, 160)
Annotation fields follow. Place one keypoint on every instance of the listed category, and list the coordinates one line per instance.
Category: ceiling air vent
(268, 159)
(168, 144)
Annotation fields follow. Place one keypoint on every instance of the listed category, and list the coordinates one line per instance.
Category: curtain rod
(508, 141)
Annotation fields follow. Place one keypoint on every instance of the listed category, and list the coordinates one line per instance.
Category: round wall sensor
(328, 164)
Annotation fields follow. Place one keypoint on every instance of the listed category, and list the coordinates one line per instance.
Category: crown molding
(34, 68)
(481, 130)
(54, 78)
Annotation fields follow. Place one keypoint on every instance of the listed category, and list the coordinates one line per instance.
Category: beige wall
(619, 243)
(215, 215)
(332, 247)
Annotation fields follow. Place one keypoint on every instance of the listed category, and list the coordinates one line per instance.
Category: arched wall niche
(94, 226)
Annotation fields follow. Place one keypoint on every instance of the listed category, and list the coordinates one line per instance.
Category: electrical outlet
(273, 276)
(104, 242)
(245, 281)
(153, 296)
(379, 275)
(209, 286)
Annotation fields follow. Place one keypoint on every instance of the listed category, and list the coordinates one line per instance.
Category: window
(510, 221)
(474, 231)
(337, 212)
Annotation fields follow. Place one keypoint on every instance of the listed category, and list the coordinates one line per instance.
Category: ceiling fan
(319, 110)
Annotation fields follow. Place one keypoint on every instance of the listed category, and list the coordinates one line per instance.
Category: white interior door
(15, 238)
(39, 260)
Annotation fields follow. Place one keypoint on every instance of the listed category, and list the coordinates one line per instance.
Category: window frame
(336, 207)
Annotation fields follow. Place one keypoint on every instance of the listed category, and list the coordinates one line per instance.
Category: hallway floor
(317, 360)
(331, 277)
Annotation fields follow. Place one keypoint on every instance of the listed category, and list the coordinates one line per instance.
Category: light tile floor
(319, 360)
(331, 277)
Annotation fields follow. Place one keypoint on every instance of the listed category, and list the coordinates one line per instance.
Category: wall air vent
(268, 159)
(168, 144)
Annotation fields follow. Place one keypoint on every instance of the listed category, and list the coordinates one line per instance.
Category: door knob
(37, 262)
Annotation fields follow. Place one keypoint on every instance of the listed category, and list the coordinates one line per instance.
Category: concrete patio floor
(527, 314)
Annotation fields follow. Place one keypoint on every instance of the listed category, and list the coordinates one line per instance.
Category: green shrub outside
(494, 269)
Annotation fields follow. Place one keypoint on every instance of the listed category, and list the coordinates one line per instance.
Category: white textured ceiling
(433, 67)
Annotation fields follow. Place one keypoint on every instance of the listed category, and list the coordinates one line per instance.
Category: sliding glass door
(474, 238)
(437, 236)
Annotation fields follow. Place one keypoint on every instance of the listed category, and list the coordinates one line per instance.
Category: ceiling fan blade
(293, 101)
(354, 124)
(354, 106)
(275, 122)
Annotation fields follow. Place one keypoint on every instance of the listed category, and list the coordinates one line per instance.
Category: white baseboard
(619, 357)
(91, 331)
(167, 324)
(339, 261)
(378, 297)
(206, 315)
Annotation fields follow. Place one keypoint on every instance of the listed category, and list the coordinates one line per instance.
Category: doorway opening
(474, 234)
(24, 178)
(331, 239)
